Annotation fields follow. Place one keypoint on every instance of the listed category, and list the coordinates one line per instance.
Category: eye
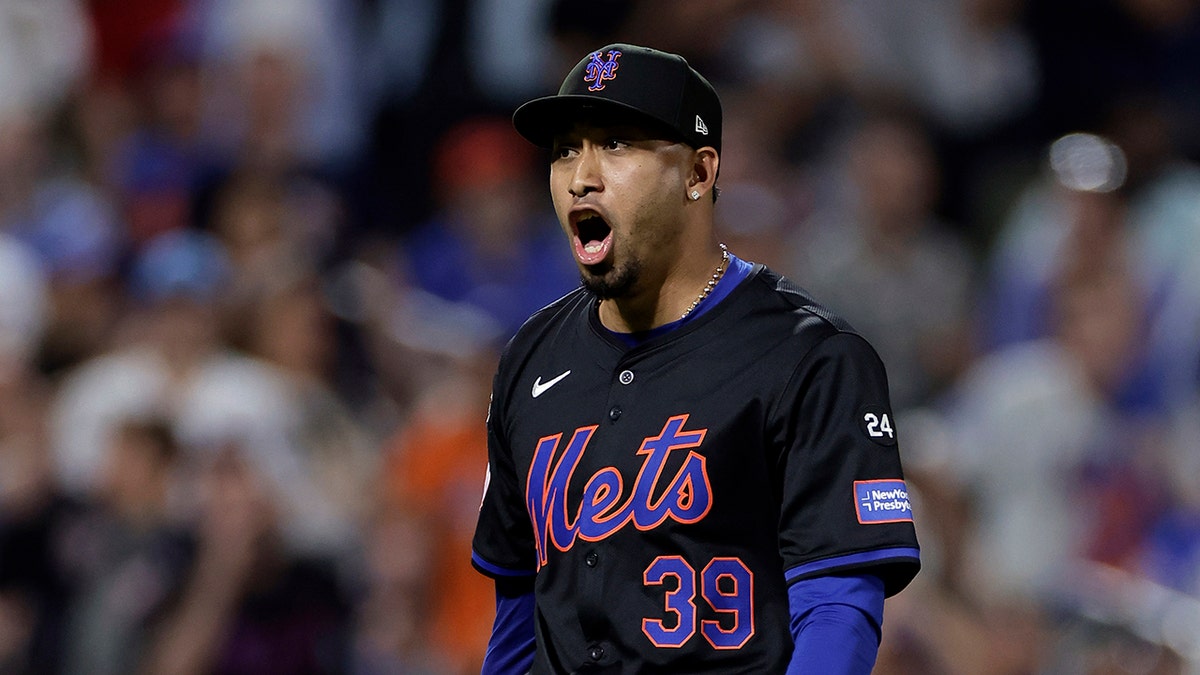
(614, 144)
(563, 151)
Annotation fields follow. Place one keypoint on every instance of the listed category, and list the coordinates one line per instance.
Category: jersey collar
(738, 271)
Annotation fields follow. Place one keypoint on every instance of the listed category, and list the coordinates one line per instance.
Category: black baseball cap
(646, 83)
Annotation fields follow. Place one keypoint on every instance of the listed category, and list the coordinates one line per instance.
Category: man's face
(620, 192)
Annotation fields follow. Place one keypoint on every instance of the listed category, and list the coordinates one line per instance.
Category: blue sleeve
(512, 645)
(836, 624)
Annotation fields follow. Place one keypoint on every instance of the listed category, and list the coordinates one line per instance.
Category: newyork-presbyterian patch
(882, 501)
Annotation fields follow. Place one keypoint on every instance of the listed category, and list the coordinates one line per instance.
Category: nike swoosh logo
(540, 387)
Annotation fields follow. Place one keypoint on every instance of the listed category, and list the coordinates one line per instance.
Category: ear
(705, 163)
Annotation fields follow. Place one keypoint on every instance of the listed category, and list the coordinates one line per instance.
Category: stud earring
(695, 195)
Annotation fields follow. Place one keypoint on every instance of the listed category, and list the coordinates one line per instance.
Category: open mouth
(593, 239)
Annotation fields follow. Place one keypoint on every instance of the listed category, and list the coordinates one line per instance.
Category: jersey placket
(594, 606)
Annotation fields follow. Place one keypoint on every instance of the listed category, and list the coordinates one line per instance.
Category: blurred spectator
(969, 63)
(971, 67)
(1047, 456)
(967, 66)
(279, 82)
(275, 227)
(1080, 199)
(392, 634)
(966, 63)
(127, 555)
(81, 245)
(75, 233)
(1134, 210)
(1164, 221)
(251, 604)
(280, 302)
(174, 364)
(878, 255)
(1051, 438)
(493, 247)
(434, 472)
(804, 57)
(1049, 470)
(252, 220)
(291, 329)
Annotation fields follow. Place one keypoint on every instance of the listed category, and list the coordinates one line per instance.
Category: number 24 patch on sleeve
(882, 501)
(876, 423)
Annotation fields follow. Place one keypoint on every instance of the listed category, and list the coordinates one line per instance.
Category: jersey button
(626, 376)
(596, 652)
(591, 559)
(615, 413)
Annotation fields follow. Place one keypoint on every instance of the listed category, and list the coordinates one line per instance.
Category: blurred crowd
(258, 259)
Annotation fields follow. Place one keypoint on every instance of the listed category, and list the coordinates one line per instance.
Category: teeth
(592, 247)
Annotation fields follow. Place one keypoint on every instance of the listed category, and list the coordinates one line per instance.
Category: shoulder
(794, 314)
(570, 307)
(566, 313)
(801, 343)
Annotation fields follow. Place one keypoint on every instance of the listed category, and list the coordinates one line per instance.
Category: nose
(586, 175)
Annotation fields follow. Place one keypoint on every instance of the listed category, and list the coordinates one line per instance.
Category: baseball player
(692, 466)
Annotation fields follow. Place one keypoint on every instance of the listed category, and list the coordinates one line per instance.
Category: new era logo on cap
(623, 81)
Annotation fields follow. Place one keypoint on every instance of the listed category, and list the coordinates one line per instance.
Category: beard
(611, 281)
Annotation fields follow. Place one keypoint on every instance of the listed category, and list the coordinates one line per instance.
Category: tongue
(594, 251)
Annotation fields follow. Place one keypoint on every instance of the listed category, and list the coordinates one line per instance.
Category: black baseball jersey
(666, 494)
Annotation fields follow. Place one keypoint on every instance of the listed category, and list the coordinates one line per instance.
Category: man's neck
(662, 302)
(633, 315)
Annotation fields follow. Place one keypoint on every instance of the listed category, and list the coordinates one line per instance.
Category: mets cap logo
(598, 71)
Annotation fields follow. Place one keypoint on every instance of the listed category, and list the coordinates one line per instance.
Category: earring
(695, 195)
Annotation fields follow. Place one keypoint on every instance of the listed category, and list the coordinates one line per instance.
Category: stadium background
(257, 259)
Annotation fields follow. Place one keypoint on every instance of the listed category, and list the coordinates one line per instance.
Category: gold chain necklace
(712, 283)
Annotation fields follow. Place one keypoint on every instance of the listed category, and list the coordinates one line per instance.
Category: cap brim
(541, 119)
